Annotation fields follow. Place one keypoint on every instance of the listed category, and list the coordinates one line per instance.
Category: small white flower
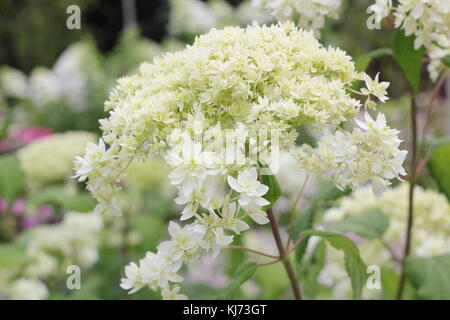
(172, 293)
(132, 281)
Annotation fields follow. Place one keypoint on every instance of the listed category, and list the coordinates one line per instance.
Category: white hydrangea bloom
(75, 240)
(428, 20)
(50, 159)
(431, 230)
(43, 87)
(13, 82)
(310, 14)
(210, 111)
(191, 17)
(29, 289)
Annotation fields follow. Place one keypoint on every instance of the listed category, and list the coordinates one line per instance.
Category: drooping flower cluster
(310, 14)
(50, 159)
(369, 153)
(212, 111)
(428, 20)
(431, 230)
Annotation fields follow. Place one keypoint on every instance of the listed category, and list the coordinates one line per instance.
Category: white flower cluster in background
(428, 20)
(29, 289)
(50, 159)
(309, 14)
(74, 241)
(210, 111)
(50, 250)
(431, 230)
(195, 17)
(192, 17)
(65, 82)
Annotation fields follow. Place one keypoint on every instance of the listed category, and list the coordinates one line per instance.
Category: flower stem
(252, 251)
(286, 262)
(412, 181)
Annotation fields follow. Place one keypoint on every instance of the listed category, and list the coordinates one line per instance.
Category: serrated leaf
(354, 265)
(363, 61)
(439, 167)
(446, 61)
(12, 177)
(242, 274)
(408, 58)
(370, 224)
(430, 276)
(271, 181)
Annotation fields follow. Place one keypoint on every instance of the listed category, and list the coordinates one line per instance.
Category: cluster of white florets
(431, 230)
(211, 111)
(309, 14)
(428, 20)
(350, 159)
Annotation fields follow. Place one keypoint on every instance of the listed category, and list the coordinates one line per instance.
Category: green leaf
(362, 62)
(430, 276)
(310, 268)
(446, 61)
(12, 178)
(327, 194)
(439, 167)
(370, 224)
(408, 58)
(242, 274)
(354, 265)
(271, 181)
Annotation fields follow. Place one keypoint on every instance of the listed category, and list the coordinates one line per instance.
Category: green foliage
(273, 281)
(327, 195)
(409, 59)
(354, 265)
(310, 268)
(446, 61)
(242, 274)
(430, 276)
(370, 224)
(81, 202)
(363, 62)
(439, 167)
(11, 255)
(12, 177)
(271, 181)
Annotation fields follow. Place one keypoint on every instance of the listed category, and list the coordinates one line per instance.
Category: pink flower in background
(3, 204)
(45, 213)
(26, 135)
(18, 207)
(20, 136)
(30, 222)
